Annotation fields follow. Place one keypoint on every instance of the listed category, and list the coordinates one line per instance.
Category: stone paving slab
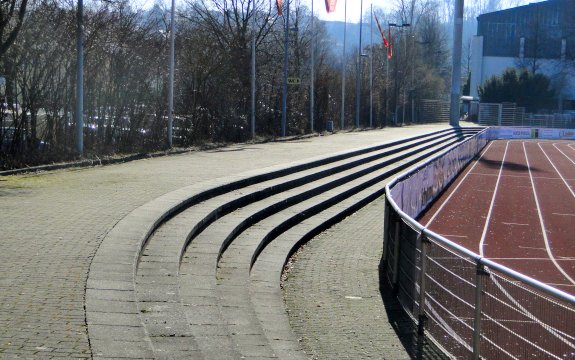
(53, 223)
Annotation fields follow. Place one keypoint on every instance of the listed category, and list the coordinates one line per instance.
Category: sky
(353, 7)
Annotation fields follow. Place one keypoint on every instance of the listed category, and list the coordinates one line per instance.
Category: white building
(539, 37)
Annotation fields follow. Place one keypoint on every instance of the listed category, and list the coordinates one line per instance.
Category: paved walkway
(52, 224)
(336, 305)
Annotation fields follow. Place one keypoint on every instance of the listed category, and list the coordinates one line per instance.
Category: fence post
(480, 273)
(422, 318)
(499, 113)
(386, 216)
(396, 243)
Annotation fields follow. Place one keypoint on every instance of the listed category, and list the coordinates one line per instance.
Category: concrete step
(137, 281)
(236, 312)
(261, 291)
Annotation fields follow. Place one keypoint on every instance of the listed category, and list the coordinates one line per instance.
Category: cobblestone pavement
(332, 293)
(335, 303)
(51, 225)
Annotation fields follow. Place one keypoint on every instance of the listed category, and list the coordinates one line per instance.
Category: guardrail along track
(207, 271)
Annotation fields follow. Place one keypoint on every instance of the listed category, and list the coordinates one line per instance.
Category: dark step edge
(288, 202)
(258, 195)
(316, 209)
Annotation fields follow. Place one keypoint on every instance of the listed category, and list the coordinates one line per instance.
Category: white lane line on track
(559, 214)
(488, 219)
(551, 178)
(514, 224)
(524, 176)
(456, 236)
(541, 222)
(457, 187)
(570, 147)
(557, 171)
(561, 151)
(532, 248)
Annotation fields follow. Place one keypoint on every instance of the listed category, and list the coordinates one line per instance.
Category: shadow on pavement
(418, 347)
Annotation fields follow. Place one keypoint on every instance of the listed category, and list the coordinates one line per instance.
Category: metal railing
(469, 306)
(508, 114)
(433, 111)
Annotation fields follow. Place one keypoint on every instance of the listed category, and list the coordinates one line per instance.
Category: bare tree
(12, 14)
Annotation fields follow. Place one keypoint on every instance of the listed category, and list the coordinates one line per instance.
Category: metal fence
(432, 111)
(508, 114)
(469, 306)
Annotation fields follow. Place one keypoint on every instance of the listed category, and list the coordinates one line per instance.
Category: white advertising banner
(531, 133)
(414, 193)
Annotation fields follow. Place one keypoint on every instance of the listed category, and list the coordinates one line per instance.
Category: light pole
(371, 69)
(343, 67)
(253, 119)
(387, 59)
(358, 71)
(171, 84)
(80, 80)
(286, 64)
(311, 91)
(404, 78)
(456, 74)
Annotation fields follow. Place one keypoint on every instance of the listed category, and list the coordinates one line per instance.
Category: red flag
(279, 4)
(390, 47)
(330, 5)
(385, 42)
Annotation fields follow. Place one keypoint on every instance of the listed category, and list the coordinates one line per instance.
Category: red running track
(516, 205)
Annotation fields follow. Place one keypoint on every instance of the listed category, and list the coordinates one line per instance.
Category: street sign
(293, 81)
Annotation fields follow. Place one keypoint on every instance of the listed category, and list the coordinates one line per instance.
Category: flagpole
(312, 95)
(343, 68)
(358, 71)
